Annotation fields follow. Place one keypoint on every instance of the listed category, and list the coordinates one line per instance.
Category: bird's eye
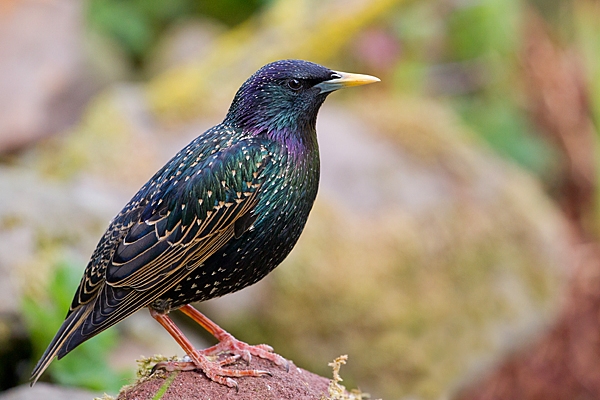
(294, 84)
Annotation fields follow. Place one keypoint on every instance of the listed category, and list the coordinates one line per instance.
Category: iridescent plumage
(219, 216)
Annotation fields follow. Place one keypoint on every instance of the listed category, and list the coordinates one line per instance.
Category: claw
(227, 382)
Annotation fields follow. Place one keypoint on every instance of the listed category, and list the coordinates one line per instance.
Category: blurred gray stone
(46, 391)
(367, 174)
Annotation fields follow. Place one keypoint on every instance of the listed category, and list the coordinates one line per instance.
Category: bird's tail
(110, 306)
(67, 332)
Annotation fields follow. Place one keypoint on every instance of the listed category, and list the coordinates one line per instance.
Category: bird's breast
(285, 199)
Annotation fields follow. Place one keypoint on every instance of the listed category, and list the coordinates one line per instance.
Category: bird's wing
(170, 227)
(178, 224)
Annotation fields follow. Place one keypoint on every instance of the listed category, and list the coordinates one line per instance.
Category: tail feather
(69, 326)
(84, 323)
(110, 306)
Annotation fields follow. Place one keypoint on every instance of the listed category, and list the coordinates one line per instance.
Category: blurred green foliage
(484, 28)
(489, 32)
(467, 54)
(138, 24)
(86, 366)
(510, 133)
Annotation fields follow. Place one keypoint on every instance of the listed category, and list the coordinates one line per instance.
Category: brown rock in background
(558, 102)
(46, 77)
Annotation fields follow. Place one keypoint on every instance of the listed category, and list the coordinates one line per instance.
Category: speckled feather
(219, 216)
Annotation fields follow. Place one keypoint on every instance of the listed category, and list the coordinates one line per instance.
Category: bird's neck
(299, 141)
(299, 144)
(294, 129)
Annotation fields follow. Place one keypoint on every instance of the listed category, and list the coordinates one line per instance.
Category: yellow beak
(345, 79)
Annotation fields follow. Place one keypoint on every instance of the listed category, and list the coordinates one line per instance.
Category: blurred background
(452, 251)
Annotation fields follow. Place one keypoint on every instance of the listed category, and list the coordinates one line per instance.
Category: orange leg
(213, 370)
(227, 343)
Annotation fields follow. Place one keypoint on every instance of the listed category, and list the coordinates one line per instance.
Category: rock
(297, 384)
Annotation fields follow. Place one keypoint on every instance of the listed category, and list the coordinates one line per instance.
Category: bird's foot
(201, 359)
(229, 344)
(239, 349)
(212, 369)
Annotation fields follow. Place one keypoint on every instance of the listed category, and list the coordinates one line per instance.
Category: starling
(219, 216)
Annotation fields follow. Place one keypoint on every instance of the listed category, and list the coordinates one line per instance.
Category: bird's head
(285, 96)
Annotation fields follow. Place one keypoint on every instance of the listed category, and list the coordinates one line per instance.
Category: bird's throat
(300, 145)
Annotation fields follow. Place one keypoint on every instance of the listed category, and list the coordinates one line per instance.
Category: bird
(219, 216)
